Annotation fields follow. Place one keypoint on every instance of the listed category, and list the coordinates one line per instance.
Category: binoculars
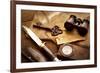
(76, 23)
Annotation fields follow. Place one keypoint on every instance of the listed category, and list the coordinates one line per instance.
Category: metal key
(54, 31)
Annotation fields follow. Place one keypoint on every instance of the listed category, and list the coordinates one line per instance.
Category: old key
(54, 31)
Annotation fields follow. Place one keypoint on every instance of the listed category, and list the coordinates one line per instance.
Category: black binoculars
(77, 23)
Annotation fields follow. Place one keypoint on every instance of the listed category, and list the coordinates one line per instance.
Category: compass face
(67, 50)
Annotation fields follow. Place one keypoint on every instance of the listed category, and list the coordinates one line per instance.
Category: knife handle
(49, 51)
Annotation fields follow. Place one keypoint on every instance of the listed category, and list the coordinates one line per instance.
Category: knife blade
(39, 42)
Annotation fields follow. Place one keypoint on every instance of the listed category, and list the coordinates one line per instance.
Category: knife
(39, 42)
